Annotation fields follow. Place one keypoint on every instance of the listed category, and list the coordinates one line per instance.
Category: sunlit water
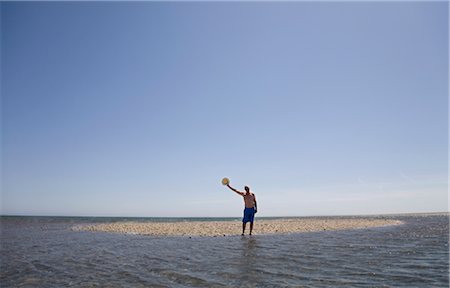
(44, 252)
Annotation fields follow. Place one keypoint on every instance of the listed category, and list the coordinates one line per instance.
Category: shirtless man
(250, 207)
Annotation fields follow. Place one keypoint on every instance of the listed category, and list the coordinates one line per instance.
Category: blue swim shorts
(249, 215)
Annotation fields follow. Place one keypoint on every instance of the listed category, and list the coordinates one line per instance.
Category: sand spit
(228, 228)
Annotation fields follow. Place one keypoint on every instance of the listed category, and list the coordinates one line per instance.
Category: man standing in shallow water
(250, 207)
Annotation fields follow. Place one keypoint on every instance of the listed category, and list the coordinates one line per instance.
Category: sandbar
(229, 228)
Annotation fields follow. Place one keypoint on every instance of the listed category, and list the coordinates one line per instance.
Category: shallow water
(44, 252)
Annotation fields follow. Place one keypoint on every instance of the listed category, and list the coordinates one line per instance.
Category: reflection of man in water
(250, 207)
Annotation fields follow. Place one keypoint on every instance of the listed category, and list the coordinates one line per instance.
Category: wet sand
(228, 228)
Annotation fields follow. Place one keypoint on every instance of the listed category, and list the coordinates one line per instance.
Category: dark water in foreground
(44, 252)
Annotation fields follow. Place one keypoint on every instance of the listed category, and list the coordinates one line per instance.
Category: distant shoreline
(238, 217)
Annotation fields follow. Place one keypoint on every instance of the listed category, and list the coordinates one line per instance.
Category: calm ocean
(44, 252)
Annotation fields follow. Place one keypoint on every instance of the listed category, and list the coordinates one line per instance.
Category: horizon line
(194, 217)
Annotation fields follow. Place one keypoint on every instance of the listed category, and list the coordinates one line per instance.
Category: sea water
(45, 252)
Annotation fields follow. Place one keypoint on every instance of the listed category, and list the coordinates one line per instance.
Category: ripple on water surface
(44, 252)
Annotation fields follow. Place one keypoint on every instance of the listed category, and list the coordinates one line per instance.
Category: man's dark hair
(247, 189)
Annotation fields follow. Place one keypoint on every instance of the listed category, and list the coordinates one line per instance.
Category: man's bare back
(249, 200)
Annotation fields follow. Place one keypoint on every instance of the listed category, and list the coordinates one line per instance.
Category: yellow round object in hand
(225, 181)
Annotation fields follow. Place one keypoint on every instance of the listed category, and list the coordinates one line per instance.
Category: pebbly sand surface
(229, 228)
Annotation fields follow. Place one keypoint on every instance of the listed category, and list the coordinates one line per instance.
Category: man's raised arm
(238, 192)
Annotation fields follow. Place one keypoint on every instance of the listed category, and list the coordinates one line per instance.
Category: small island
(230, 228)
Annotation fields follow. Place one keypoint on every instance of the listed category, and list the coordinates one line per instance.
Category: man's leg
(252, 216)
(243, 228)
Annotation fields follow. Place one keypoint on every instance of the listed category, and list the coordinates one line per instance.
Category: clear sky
(140, 109)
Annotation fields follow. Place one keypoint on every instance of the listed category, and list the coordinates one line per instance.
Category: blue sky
(139, 109)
